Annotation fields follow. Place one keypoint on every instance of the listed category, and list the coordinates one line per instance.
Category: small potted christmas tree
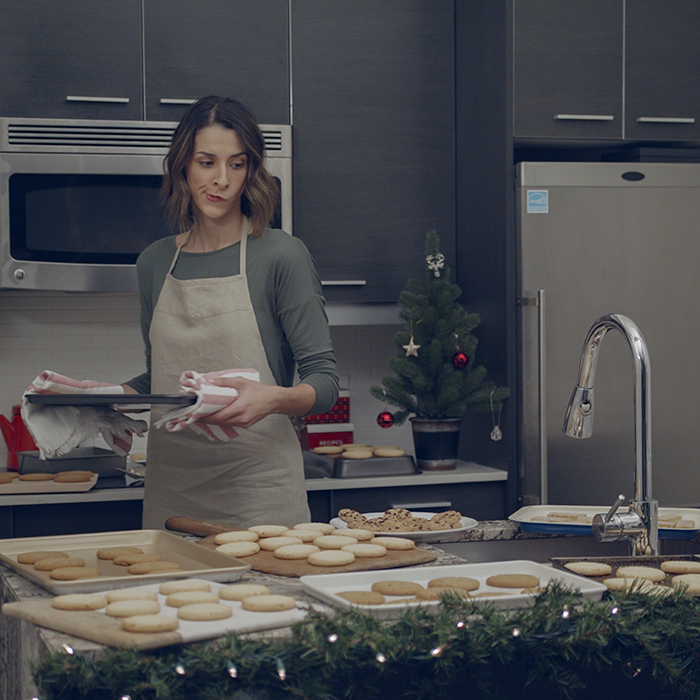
(437, 379)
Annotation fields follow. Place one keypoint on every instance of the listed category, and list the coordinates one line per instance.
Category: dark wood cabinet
(74, 60)
(373, 135)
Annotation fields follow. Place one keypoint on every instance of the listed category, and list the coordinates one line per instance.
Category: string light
(565, 613)
(615, 610)
(281, 670)
(180, 670)
(232, 670)
(381, 658)
(125, 697)
(332, 638)
(437, 651)
(516, 632)
(461, 624)
(67, 649)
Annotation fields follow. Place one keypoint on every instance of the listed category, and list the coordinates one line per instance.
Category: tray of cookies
(91, 562)
(44, 482)
(650, 573)
(674, 523)
(401, 522)
(158, 615)
(357, 461)
(505, 584)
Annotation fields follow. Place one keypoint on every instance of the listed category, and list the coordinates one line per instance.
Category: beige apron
(207, 325)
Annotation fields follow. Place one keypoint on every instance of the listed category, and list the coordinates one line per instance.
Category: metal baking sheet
(196, 561)
(338, 468)
(16, 486)
(527, 519)
(120, 400)
(325, 587)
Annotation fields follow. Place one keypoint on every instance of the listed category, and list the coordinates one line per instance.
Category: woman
(230, 293)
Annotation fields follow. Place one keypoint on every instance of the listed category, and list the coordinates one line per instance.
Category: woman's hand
(256, 400)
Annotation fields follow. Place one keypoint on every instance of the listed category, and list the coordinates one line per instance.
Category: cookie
(464, 582)
(268, 603)
(188, 584)
(73, 477)
(75, 472)
(648, 573)
(135, 558)
(109, 553)
(130, 594)
(357, 454)
(680, 567)
(56, 562)
(151, 567)
(624, 584)
(129, 608)
(236, 536)
(268, 530)
(357, 534)
(7, 477)
(177, 600)
(331, 541)
(395, 543)
(331, 557)
(295, 551)
(489, 594)
(270, 544)
(447, 520)
(355, 446)
(38, 476)
(325, 528)
(402, 514)
(589, 568)
(239, 549)
(362, 597)
(205, 611)
(149, 624)
(396, 587)
(79, 601)
(365, 550)
(513, 581)
(388, 452)
(238, 591)
(352, 517)
(305, 536)
(437, 592)
(328, 449)
(688, 579)
(73, 573)
(34, 557)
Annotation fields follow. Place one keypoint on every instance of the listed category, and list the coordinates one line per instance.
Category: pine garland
(560, 647)
(428, 382)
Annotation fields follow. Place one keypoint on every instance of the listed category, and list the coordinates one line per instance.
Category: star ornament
(411, 349)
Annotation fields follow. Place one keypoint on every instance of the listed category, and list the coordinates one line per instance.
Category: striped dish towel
(210, 398)
(58, 429)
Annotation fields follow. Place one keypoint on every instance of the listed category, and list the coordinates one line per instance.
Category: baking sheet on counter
(530, 520)
(336, 467)
(195, 561)
(96, 626)
(326, 586)
(16, 486)
(417, 535)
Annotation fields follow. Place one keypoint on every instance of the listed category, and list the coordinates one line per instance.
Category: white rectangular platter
(325, 587)
(195, 561)
(529, 519)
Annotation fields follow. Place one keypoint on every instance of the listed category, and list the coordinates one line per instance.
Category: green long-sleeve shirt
(288, 303)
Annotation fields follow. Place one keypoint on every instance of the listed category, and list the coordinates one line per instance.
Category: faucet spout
(578, 421)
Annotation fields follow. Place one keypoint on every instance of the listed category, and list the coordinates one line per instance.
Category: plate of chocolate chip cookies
(402, 522)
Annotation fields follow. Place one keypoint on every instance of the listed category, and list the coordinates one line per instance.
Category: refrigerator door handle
(542, 402)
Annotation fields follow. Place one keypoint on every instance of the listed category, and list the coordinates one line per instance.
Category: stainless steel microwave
(79, 199)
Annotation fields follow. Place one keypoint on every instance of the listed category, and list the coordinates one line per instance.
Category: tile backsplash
(97, 336)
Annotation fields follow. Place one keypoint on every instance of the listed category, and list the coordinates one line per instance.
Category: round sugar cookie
(464, 582)
(177, 600)
(355, 446)
(189, 584)
(268, 603)
(513, 581)
(268, 530)
(328, 449)
(395, 543)
(648, 573)
(129, 608)
(149, 624)
(362, 597)
(73, 573)
(236, 536)
(680, 567)
(73, 477)
(239, 549)
(357, 454)
(270, 544)
(437, 592)
(331, 557)
(79, 601)
(56, 562)
(305, 536)
(625, 584)
(75, 472)
(7, 477)
(691, 581)
(151, 567)
(295, 551)
(130, 594)
(202, 612)
(364, 550)
(388, 452)
(356, 533)
(109, 553)
(135, 558)
(238, 591)
(400, 588)
(325, 528)
(34, 557)
(589, 568)
(331, 541)
(37, 476)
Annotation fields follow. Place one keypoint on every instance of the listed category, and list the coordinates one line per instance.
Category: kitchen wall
(98, 337)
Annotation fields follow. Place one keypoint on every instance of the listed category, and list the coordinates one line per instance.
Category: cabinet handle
(423, 506)
(93, 98)
(176, 101)
(585, 117)
(343, 283)
(666, 120)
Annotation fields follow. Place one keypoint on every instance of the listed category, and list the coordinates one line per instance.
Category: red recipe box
(340, 413)
(326, 434)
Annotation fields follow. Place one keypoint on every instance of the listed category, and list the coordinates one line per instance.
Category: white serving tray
(325, 587)
(525, 518)
(466, 524)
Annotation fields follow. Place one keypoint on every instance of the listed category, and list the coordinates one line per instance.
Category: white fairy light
(332, 638)
(381, 658)
(516, 632)
(232, 670)
(615, 610)
(180, 670)
(437, 651)
(67, 649)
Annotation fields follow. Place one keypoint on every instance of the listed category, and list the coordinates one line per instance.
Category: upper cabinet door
(662, 70)
(230, 48)
(568, 69)
(72, 60)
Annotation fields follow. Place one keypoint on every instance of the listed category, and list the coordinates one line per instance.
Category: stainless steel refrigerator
(594, 239)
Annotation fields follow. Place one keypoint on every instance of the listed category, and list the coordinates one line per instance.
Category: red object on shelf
(340, 413)
(17, 437)
(329, 434)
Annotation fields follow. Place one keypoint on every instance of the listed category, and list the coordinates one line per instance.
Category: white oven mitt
(210, 398)
(58, 429)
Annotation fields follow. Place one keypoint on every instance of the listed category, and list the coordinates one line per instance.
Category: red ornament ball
(385, 419)
(460, 360)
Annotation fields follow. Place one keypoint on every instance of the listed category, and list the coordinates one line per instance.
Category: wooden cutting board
(267, 563)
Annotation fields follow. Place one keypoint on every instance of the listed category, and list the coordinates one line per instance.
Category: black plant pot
(436, 443)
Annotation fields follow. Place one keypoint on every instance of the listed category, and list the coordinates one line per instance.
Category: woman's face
(216, 173)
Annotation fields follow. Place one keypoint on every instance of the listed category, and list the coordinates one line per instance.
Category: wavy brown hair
(260, 196)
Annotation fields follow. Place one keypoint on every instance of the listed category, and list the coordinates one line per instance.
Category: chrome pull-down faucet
(641, 523)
